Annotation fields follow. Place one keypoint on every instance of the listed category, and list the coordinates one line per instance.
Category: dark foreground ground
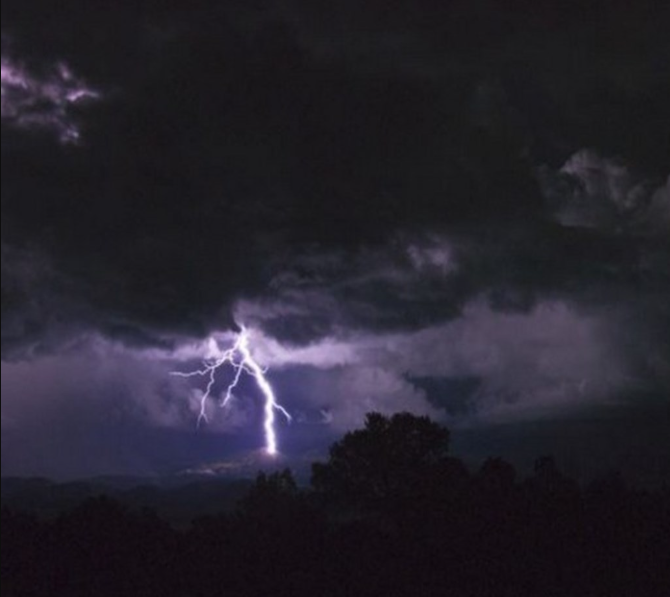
(389, 514)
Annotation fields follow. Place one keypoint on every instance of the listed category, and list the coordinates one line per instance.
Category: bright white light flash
(239, 357)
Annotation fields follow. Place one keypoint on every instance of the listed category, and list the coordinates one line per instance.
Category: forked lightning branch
(239, 358)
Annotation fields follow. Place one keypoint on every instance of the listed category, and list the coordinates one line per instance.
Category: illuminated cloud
(594, 191)
(43, 101)
(360, 192)
(553, 358)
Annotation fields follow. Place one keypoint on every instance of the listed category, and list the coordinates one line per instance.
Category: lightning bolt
(240, 359)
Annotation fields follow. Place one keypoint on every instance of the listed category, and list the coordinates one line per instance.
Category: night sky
(459, 209)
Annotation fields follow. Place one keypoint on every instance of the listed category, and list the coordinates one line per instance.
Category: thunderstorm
(239, 358)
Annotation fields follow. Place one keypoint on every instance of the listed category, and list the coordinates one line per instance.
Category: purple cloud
(32, 100)
(594, 191)
(555, 357)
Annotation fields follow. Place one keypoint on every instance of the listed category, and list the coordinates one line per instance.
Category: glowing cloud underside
(42, 101)
(241, 360)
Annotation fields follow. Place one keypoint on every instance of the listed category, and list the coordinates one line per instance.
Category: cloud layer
(397, 200)
(42, 102)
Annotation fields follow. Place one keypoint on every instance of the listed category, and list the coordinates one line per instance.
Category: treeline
(389, 514)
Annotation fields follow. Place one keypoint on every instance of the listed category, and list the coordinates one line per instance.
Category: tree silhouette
(385, 464)
(273, 497)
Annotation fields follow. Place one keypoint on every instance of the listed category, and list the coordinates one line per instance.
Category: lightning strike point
(240, 359)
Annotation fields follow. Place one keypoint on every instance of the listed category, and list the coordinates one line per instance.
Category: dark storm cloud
(227, 149)
(35, 306)
(398, 197)
(303, 162)
(234, 138)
